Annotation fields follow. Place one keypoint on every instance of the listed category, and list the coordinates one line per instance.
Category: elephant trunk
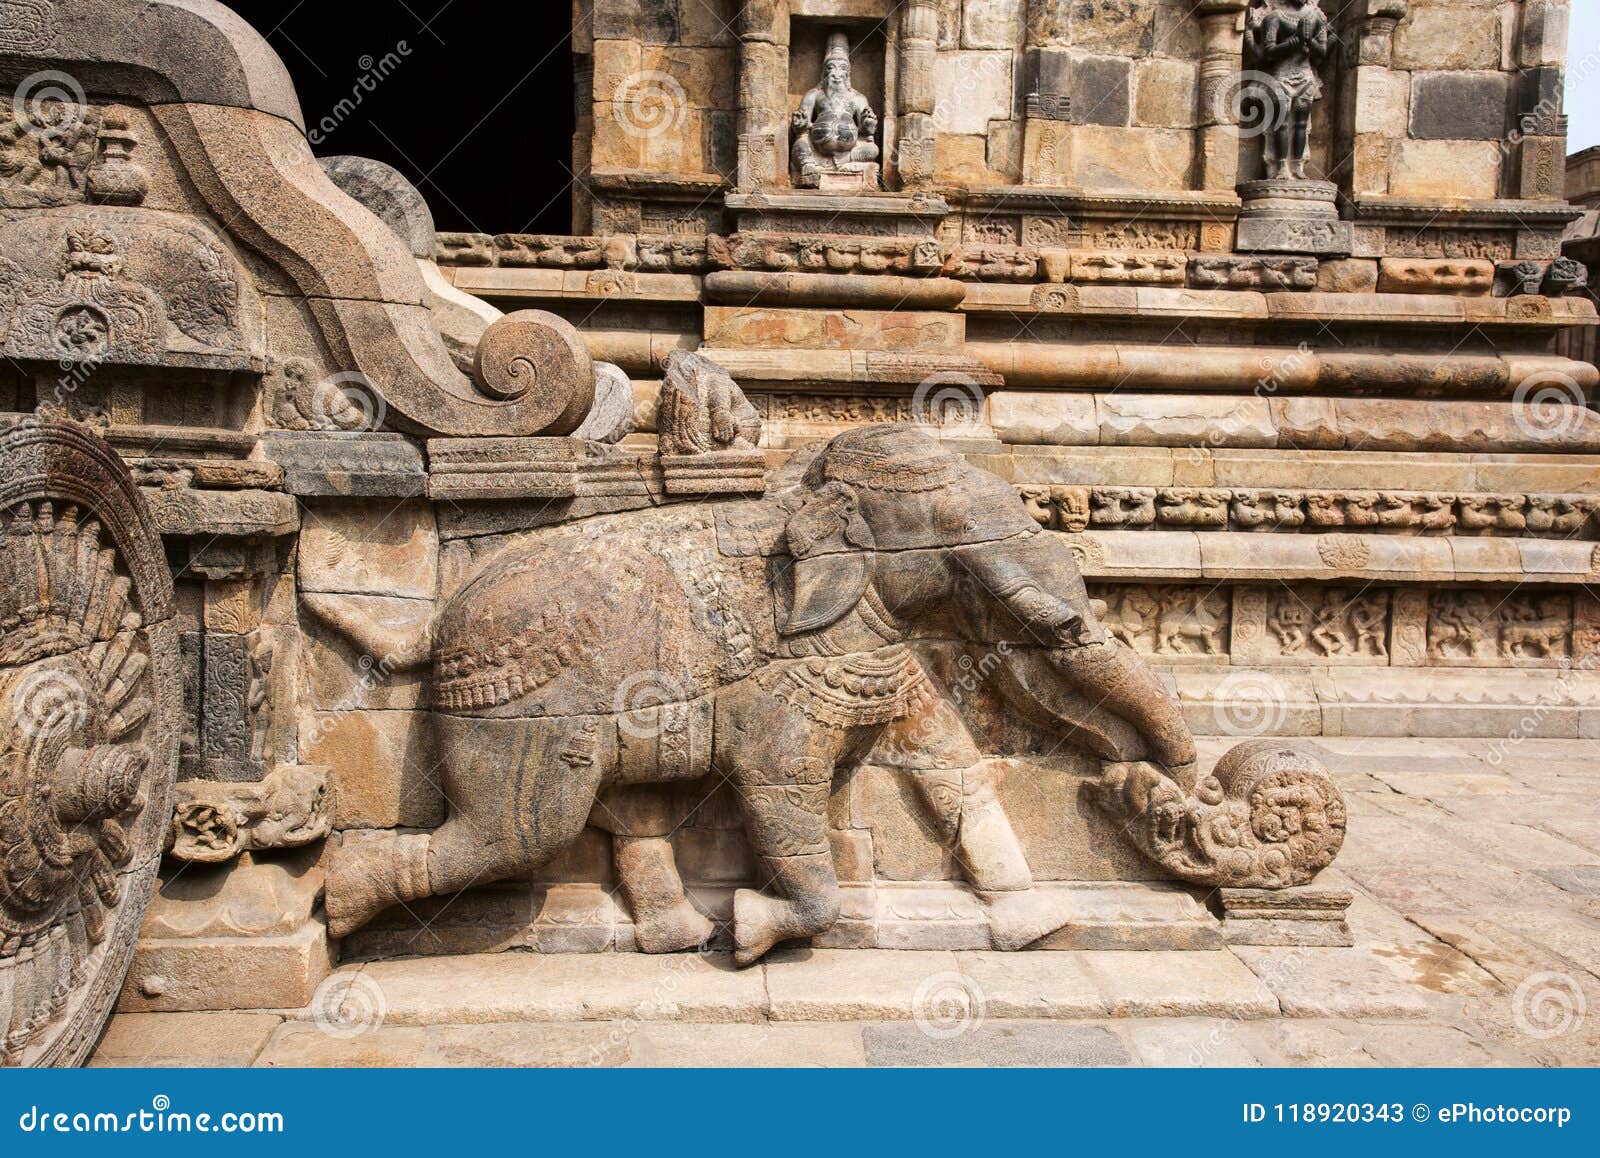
(1026, 590)
(1035, 595)
(1115, 677)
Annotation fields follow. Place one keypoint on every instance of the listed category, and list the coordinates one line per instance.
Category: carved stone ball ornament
(1269, 816)
(89, 697)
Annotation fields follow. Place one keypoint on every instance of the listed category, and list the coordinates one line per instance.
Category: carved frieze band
(1046, 250)
(1301, 624)
(1075, 508)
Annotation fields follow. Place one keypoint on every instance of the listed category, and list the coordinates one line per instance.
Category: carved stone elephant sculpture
(766, 643)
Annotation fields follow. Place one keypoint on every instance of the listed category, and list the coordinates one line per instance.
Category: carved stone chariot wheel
(89, 702)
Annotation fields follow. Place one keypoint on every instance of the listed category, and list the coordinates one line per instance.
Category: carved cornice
(146, 50)
(1385, 210)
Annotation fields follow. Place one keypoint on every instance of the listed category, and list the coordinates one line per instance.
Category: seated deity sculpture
(835, 127)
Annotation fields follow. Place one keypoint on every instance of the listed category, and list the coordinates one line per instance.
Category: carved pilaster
(1047, 131)
(1374, 24)
(1540, 129)
(582, 125)
(919, 44)
(763, 71)
(1374, 100)
(1222, 37)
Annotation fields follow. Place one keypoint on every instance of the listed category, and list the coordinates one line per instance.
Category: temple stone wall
(1072, 269)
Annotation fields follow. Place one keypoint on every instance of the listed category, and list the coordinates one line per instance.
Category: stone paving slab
(567, 987)
(769, 1045)
(836, 985)
(1346, 1044)
(1163, 1042)
(1334, 983)
(1180, 984)
(1025, 985)
(1016, 1044)
(504, 1045)
(216, 1040)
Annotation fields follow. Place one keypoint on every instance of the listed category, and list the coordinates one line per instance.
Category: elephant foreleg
(986, 844)
(957, 785)
(961, 790)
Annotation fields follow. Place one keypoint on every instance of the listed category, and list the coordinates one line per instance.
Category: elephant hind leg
(368, 872)
(520, 792)
(641, 819)
(663, 919)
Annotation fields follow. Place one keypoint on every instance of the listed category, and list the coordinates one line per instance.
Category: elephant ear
(830, 543)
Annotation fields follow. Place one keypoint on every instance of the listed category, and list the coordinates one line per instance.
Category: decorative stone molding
(1292, 216)
(1267, 274)
(1403, 275)
(123, 287)
(148, 52)
(1560, 516)
(214, 821)
(781, 253)
(1310, 917)
(1367, 625)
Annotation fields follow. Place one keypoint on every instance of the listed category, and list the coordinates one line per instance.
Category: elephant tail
(395, 648)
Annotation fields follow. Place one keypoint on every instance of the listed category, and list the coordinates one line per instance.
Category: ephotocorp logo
(948, 1005)
(348, 401)
(50, 105)
(1248, 704)
(648, 104)
(645, 690)
(49, 702)
(348, 1005)
(1548, 405)
(1548, 1005)
(948, 401)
